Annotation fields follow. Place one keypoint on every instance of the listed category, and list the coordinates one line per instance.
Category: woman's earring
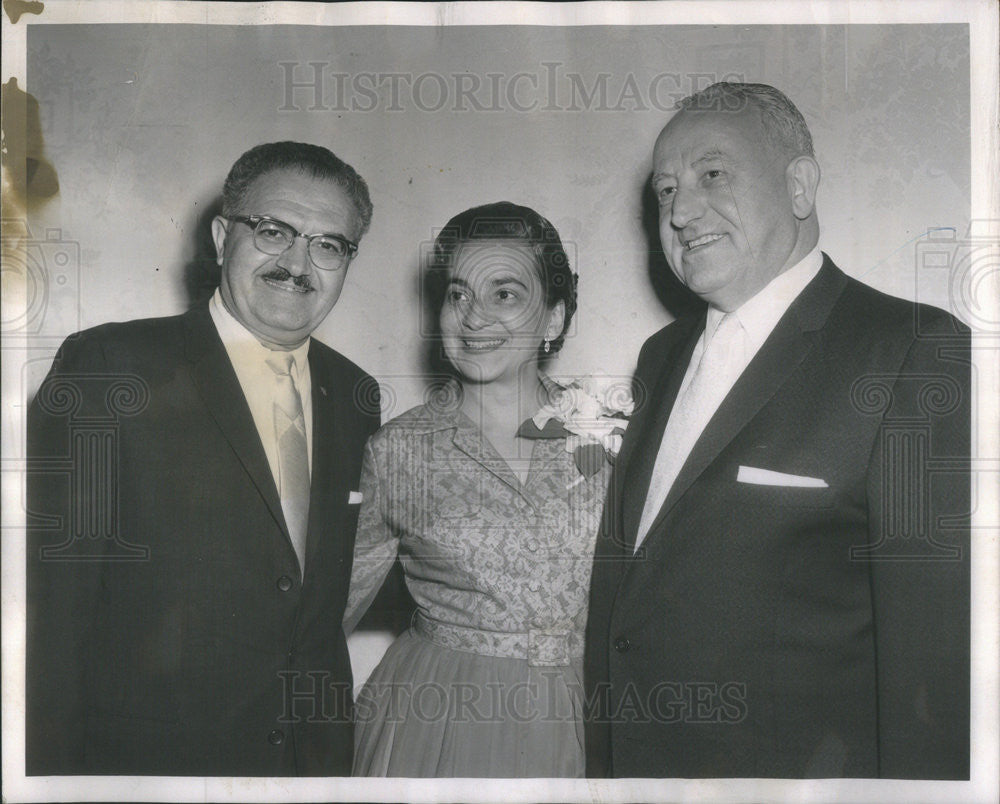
(545, 346)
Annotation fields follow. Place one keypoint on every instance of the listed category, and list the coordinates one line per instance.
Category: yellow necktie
(293, 455)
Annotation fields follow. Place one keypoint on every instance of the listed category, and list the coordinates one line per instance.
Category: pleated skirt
(431, 711)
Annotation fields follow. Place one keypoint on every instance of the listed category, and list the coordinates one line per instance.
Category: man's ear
(219, 231)
(802, 175)
(557, 316)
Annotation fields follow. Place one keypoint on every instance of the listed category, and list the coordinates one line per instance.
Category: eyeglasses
(271, 236)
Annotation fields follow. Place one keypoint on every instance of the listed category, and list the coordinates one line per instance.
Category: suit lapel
(639, 452)
(331, 431)
(223, 397)
(778, 358)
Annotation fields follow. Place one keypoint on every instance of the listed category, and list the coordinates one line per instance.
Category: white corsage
(591, 413)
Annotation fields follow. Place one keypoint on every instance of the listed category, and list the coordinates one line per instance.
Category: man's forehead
(696, 135)
(291, 191)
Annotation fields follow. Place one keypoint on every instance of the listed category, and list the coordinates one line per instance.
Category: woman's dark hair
(506, 221)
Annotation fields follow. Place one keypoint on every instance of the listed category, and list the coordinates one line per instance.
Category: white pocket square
(765, 477)
(354, 498)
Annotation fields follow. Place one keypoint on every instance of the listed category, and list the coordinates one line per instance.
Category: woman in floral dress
(495, 531)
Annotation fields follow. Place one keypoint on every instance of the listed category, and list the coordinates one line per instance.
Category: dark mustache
(281, 275)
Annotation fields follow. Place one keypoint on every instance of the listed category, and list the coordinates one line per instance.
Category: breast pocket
(765, 496)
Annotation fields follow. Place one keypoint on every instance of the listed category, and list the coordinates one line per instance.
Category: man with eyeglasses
(192, 487)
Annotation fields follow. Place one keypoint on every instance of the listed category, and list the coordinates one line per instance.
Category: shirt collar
(445, 411)
(242, 345)
(760, 314)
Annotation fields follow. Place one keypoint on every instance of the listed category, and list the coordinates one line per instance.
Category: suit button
(276, 737)
(284, 583)
(622, 645)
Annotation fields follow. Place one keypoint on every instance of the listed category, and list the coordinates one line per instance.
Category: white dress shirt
(258, 381)
(757, 317)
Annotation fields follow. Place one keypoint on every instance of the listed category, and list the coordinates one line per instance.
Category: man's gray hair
(783, 124)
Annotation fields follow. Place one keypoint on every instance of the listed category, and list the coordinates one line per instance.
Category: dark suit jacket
(781, 631)
(169, 628)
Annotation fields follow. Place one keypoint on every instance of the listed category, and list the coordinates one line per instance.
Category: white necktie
(293, 455)
(719, 367)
